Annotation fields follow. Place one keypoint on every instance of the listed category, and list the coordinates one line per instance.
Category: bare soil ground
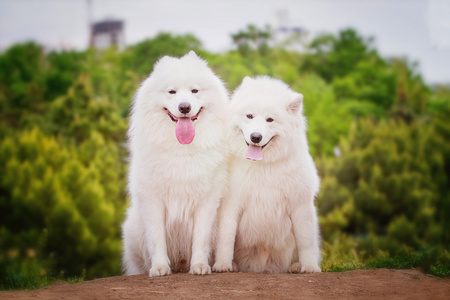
(359, 284)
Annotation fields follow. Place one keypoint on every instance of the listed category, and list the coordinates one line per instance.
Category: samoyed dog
(268, 221)
(178, 168)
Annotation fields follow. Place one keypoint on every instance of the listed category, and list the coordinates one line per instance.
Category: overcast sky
(418, 29)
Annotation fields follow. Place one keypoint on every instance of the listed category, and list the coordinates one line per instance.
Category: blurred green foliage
(379, 135)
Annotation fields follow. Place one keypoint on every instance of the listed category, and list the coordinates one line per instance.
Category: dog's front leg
(306, 230)
(155, 234)
(201, 241)
(227, 235)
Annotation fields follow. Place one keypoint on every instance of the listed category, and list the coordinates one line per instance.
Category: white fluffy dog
(268, 222)
(176, 181)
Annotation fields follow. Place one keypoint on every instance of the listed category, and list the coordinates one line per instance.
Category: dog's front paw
(160, 270)
(310, 269)
(200, 269)
(221, 267)
(295, 268)
(235, 266)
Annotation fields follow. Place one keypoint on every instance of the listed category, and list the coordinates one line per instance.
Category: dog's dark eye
(172, 92)
(249, 116)
(270, 120)
(194, 91)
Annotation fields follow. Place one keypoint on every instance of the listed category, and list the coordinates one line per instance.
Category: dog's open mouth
(175, 119)
(254, 152)
(184, 131)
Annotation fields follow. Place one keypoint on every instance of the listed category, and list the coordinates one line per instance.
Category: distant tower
(108, 33)
(105, 34)
(283, 21)
(284, 30)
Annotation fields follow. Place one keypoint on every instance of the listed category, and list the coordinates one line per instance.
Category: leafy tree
(252, 39)
(368, 89)
(442, 131)
(78, 115)
(59, 206)
(411, 95)
(363, 81)
(63, 191)
(439, 99)
(328, 121)
(21, 81)
(30, 79)
(337, 56)
(383, 190)
(63, 67)
(141, 57)
(233, 67)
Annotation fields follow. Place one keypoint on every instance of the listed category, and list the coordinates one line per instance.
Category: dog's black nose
(184, 107)
(256, 137)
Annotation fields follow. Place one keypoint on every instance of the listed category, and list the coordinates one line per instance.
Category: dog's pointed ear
(192, 53)
(194, 56)
(163, 60)
(296, 104)
(247, 79)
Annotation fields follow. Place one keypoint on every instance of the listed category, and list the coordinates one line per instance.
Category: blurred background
(375, 75)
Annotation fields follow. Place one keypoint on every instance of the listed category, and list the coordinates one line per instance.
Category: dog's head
(266, 114)
(183, 88)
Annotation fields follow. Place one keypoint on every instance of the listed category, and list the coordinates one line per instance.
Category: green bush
(378, 133)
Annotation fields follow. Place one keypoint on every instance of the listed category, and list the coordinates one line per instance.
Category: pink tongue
(254, 153)
(185, 131)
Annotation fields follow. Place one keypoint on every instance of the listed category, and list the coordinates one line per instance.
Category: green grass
(342, 255)
(440, 270)
(30, 281)
(409, 262)
(23, 282)
(401, 262)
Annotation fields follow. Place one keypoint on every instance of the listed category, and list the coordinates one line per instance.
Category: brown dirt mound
(363, 284)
